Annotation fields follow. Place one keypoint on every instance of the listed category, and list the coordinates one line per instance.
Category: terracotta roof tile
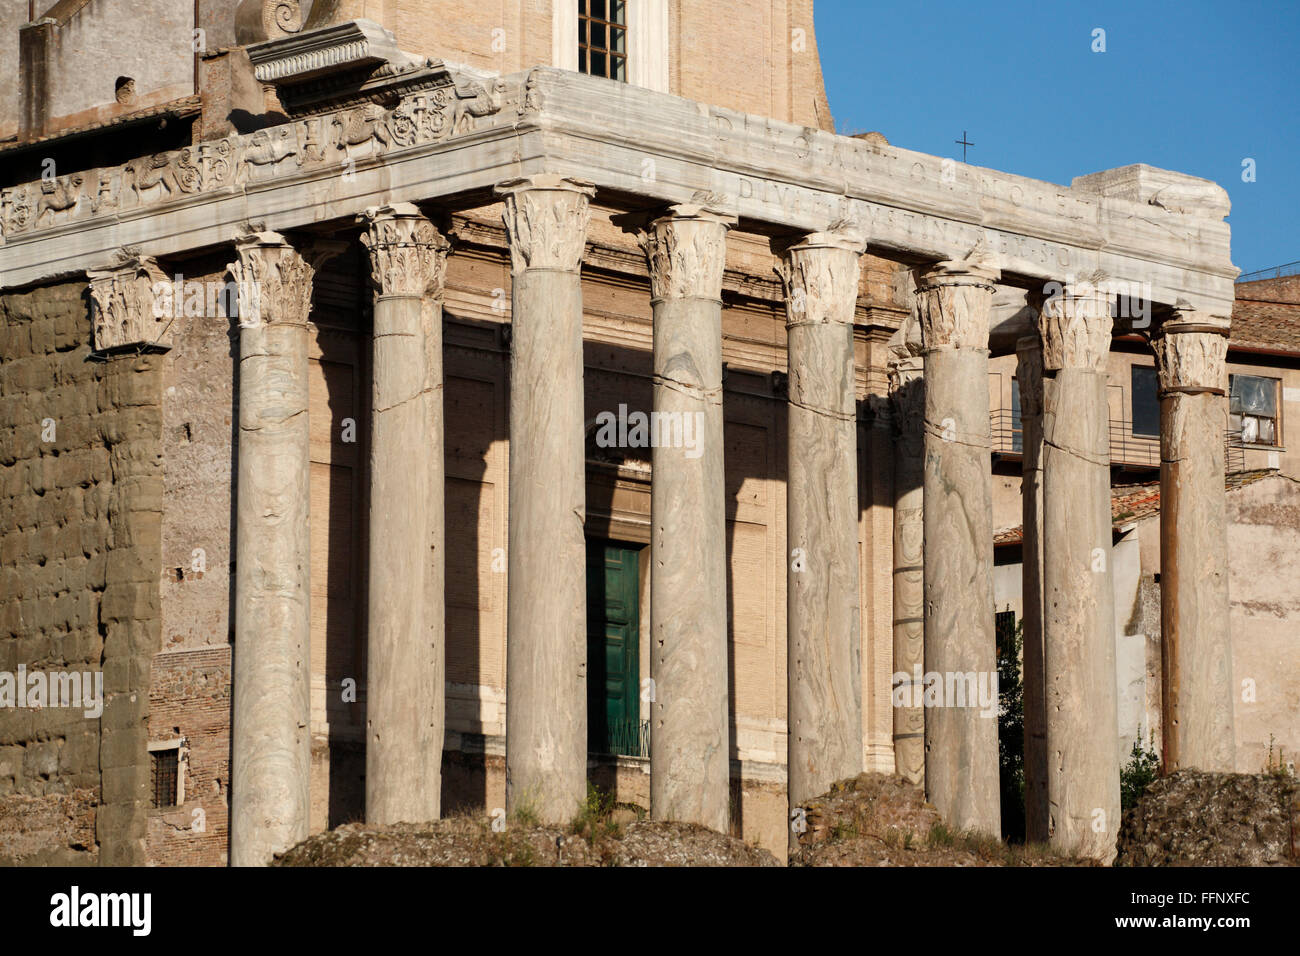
(1133, 502)
(185, 106)
(1266, 315)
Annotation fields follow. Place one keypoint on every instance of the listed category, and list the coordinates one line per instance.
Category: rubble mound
(879, 820)
(618, 839)
(1191, 818)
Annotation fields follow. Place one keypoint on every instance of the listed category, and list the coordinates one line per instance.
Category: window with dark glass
(1146, 402)
(1252, 409)
(602, 38)
(166, 773)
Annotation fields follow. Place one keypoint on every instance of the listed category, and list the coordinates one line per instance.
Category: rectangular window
(1252, 409)
(1146, 402)
(602, 38)
(166, 776)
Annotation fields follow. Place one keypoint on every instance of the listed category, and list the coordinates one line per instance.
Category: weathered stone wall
(190, 692)
(198, 435)
(1264, 595)
(80, 520)
(12, 16)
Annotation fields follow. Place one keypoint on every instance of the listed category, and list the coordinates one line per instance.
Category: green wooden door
(613, 659)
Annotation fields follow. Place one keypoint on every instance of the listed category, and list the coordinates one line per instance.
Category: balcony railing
(1277, 272)
(1126, 449)
(628, 738)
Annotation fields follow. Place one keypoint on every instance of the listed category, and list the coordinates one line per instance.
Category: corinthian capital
(273, 279)
(129, 301)
(953, 302)
(686, 250)
(1075, 325)
(1191, 353)
(408, 255)
(820, 275)
(907, 395)
(1029, 373)
(546, 219)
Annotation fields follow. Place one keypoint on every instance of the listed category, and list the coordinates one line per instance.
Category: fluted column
(271, 720)
(1078, 589)
(689, 740)
(907, 390)
(1196, 648)
(953, 302)
(546, 629)
(823, 615)
(1029, 376)
(406, 611)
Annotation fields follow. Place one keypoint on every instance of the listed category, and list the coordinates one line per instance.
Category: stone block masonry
(80, 552)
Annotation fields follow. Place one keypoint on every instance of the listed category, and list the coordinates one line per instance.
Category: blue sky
(1196, 85)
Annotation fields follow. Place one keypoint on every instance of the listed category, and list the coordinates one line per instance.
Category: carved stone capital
(686, 250)
(1029, 373)
(820, 275)
(546, 220)
(1191, 353)
(257, 20)
(907, 396)
(408, 255)
(953, 303)
(1075, 325)
(129, 303)
(273, 279)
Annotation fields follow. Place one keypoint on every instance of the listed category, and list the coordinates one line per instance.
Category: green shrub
(1142, 768)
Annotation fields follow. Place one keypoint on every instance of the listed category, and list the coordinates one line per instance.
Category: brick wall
(80, 513)
(190, 699)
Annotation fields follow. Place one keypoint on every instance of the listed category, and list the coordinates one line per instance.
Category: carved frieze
(127, 312)
(408, 255)
(820, 275)
(686, 250)
(546, 220)
(337, 139)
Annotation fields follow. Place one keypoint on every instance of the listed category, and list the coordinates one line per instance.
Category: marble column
(907, 391)
(406, 612)
(271, 719)
(953, 302)
(690, 775)
(546, 614)
(1029, 377)
(1078, 588)
(1196, 649)
(823, 610)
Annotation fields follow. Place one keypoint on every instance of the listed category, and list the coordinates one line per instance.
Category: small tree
(1142, 768)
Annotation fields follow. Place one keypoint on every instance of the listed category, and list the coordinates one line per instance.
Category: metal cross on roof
(963, 143)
